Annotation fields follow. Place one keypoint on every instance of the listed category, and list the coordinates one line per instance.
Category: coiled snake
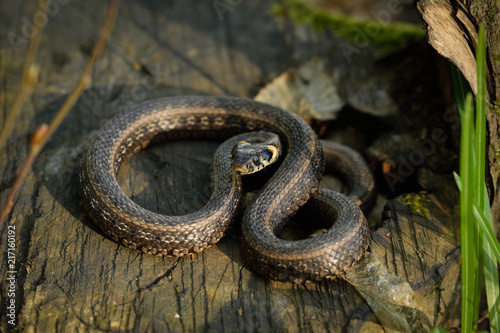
(295, 181)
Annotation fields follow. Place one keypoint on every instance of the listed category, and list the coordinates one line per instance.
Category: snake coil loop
(293, 184)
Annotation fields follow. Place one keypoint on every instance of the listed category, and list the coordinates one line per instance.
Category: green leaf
(491, 257)
(467, 227)
(458, 180)
(488, 232)
(491, 269)
(461, 88)
(480, 248)
(490, 246)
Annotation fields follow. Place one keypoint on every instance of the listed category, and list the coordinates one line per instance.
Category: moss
(416, 202)
(492, 11)
(496, 57)
(437, 287)
(496, 107)
(376, 32)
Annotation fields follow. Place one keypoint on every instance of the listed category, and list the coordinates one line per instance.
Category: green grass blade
(461, 88)
(492, 252)
(488, 232)
(484, 221)
(480, 248)
(482, 208)
(480, 132)
(491, 268)
(458, 180)
(467, 227)
(481, 110)
(491, 249)
(491, 282)
(479, 263)
(479, 164)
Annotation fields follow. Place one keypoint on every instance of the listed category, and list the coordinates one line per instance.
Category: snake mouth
(239, 170)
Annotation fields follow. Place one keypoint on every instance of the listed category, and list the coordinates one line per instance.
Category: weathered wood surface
(70, 277)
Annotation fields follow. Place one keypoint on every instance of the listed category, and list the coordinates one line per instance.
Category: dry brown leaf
(307, 91)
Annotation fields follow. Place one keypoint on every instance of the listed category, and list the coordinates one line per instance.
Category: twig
(44, 132)
(29, 78)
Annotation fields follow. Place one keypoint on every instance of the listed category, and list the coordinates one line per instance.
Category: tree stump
(68, 276)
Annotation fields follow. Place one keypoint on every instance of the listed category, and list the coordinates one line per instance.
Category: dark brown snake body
(292, 185)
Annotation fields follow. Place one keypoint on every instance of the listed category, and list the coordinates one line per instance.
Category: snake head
(255, 154)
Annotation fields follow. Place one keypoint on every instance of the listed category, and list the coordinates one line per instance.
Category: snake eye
(256, 159)
(266, 155)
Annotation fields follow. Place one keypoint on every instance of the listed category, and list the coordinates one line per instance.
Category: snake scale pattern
(294, 183)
